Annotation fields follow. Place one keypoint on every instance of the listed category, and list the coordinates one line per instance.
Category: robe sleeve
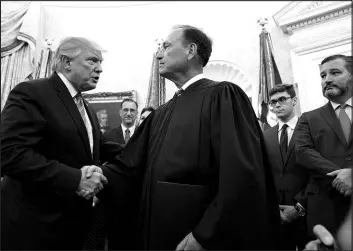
(237, 218)
(128, 165)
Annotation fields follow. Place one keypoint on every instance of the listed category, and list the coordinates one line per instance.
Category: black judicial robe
(204, 170)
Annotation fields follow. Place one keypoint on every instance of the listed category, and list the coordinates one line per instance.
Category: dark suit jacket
(115, 135)
(44, 144)
(291, 178)
(321, 147)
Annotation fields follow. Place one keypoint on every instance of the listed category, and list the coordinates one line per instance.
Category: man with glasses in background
(128, 115)
(120, 216)
(290, 177)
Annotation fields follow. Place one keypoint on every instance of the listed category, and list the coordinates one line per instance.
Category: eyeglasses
(280, 101)
(126, 110)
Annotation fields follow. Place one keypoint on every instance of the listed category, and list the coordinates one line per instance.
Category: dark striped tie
(127, 135)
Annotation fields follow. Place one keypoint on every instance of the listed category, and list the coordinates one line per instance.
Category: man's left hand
(289, 213)
(343, 181)
(189, 243)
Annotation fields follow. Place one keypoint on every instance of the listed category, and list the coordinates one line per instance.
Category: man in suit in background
(290, 177)
(128, 115)
(324, 146)
(49, 138)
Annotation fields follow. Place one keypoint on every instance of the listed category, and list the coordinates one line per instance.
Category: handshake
(92, 181)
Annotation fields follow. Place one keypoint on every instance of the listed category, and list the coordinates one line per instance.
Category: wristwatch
(300, 209)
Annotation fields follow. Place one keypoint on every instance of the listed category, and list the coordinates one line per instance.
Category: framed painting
(107, 106)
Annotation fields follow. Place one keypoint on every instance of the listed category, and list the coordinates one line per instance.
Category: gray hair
(71, 47)
(101, 111)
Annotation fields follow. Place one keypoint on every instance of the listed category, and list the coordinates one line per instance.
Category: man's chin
(333, 94)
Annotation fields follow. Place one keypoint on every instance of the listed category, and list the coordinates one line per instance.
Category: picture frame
(110, 104)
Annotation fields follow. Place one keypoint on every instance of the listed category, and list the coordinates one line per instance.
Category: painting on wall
(107, 106)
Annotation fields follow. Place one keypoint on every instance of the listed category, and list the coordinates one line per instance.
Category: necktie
(127, 135)
(81, 108)
(345, 121)
(283, 142)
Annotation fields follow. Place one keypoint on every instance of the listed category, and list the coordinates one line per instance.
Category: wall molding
(295, 17)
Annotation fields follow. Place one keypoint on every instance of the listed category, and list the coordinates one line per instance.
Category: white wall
(128, 32)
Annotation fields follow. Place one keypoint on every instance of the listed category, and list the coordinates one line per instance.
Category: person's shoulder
(313, 113)
(270, 130)
(34, 84)
(32, 88)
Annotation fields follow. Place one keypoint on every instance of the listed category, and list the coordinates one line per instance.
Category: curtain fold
(45, 64)
(156, 88)
(19, 31)
(269, 76)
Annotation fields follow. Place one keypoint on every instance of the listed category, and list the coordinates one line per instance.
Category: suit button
(349, 158)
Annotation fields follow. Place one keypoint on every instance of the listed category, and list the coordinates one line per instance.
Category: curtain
(156, 89)
(45, 64)
(269, 76)
(19, 31)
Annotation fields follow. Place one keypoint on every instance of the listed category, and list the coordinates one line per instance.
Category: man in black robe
(206, 181)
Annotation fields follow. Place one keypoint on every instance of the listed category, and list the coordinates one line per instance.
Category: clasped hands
(92, 181)
(343, 181)
(288, 214)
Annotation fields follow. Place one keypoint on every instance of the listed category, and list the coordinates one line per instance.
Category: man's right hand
(89, 187)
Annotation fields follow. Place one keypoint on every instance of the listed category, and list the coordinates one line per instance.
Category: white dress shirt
(132, 129)
(73, 93)
(348, 108)
(192, 80)
(290, 129)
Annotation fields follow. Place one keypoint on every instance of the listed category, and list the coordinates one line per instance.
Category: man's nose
(159, 55)
(99, 68)
(327, 79)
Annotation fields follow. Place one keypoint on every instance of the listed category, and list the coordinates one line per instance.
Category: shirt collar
(291, 123)
(335, 105)
(132, 128)
(192, 80)
(68, 85)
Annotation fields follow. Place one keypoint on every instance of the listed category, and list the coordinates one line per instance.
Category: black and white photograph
(176, 125)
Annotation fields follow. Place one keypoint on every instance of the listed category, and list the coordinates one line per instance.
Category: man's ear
(192, 51)
(294, 101)
(67, 63)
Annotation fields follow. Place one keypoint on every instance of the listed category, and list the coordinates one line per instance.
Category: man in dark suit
(128, 115)
(206, 178)
(290, 177)
(50, 137)
(324, 146)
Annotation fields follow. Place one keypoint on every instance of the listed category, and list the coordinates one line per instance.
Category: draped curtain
(19, 30)
(156, 89)
(45, 63)
(269, 76)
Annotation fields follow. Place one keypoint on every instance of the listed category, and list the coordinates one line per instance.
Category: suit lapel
(273, 139)
(351, 134)
(330, 116)
(64, 94)
(95, 131)
(120, 135)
